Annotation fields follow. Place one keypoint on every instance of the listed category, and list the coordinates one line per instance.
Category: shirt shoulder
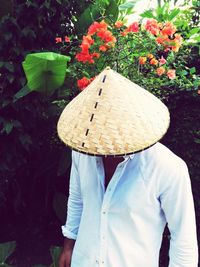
(162, 157)
(160, 164)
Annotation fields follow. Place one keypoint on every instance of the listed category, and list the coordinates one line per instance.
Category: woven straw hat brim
(113, 116)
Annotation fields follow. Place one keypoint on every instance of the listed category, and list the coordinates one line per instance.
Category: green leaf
(21, 93)
(127, 5)
(6, 249)
(173, 13)
(45, 71)
(8, 126)
(193, 31)
(112, 10)
(192, 70)
(148, 14)
(184, 73)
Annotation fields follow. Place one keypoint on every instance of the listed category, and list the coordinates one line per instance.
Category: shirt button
(104, 212)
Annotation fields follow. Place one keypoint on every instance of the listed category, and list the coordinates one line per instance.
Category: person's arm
(177, 204)
(66, 254)
(74, 212)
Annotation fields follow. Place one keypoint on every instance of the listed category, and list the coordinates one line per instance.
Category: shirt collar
(131, 156)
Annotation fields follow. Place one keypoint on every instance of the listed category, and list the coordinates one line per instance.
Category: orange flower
(171, 74)
(153, 26)
(168, 29)
(67, 39)
(106, 36)
(58, 40)
(124, 33)
(87, 39)
(162, 39)
(142, 60)
(97, 26)
(160, 71)
(119, 24)
(198, 92)
(97, 55)
(153, 61)
(102, 48)
(150, 56)
(83, 83)
(103, 25)
(177, 42)
(134, 27)
(93, 28)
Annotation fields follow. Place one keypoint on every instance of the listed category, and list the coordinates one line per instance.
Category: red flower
(96, 26)
(93, 28)
(106, 36)
(83, 83)
(85, 57)
(103, 48)
(97, 55)
(134, 27)
(58, 40)
(67, 39)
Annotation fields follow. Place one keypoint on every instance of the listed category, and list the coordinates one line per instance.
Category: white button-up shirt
(122, 226)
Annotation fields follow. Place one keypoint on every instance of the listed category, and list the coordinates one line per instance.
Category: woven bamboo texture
(113, 116)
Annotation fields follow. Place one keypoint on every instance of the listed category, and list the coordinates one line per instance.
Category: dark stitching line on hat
(92, 116)
(104, 78)
(87, 132)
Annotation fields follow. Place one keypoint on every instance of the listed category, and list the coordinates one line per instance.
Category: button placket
(104, 211)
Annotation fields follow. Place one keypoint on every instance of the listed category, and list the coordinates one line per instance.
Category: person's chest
(110, 164)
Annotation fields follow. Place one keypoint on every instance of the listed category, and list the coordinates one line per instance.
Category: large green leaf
(112, 11)
(45, 71)
(6, 249)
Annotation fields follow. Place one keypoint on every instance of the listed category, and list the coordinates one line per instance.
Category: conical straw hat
(113, 116)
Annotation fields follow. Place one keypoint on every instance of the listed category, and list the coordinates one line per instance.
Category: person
(125, 186)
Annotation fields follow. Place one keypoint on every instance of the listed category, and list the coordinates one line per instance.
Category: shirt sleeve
(177, 204)
(75, 205)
